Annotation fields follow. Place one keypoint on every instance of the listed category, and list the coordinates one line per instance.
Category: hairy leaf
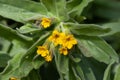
(114, 26)
(83, 70)
(86, 29)
(4, 58)
(108, 72)
(117, 74)
(77, 6)
(62, 64)
(57, 8)
(21, 10)
(28, 28)
(97, 48)
(22, 63)
(11, 34)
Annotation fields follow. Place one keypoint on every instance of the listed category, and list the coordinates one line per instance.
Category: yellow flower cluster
(66, 41)
(45, 22)
(44, 52)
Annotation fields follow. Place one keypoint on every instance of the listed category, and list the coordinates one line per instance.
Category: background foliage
(94, 23)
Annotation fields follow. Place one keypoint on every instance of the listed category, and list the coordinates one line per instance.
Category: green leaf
(86, 29)
(87, 70)
(78, 72)
(37, 62)
(13, 64)
(83, 70)
(21, 10)
(117, 74)
(108, 72)
(114, 26)
(5, 45)
(4, 58)
(72, 3)
(97, 67)
(75, 58)
(33, 75)
(76, 7)
(11, 34)
(22, 70)
(75, 55)
(57, 8)
(17, 51)
(17, 65)
(97, 48)
(62, 64)
(17, 47)
(28, 28)
(72, 76)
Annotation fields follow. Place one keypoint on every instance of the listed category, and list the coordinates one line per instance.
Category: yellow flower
(57, 37)
(48, 58)
(43, 51)
(69, 41)
(63, 51)
(13, 78)
(46, 22)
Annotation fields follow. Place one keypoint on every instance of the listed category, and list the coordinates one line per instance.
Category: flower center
(47, 21)
(56, 36)
(68, 39)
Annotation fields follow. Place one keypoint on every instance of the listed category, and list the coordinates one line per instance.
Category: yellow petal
(48, 58)
(45, 22)
(63, 51)
(69, 46)
(13, 78)
(38, 52)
